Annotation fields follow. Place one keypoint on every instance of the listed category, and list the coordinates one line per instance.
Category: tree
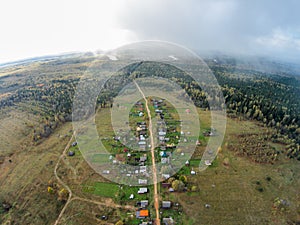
(178, 185)
(194, 188)
(183, 178)
(120, 222)
(50, 190)
(170, 180)
(63, 195)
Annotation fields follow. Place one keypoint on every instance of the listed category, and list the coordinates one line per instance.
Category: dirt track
(155, 192)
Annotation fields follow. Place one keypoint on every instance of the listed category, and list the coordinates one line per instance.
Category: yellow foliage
(120, 222)
(50, 190)
(63, 194)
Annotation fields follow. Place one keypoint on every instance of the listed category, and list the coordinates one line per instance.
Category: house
(142, 148)
(144, 203)
(171, 189)
(163, 147)
(131, 196)
(74, 143)
(193, 172)
(117, 138)
(105, 172)
(142, 142)
(71, 153)
(163, 154)
(165, 160)
(207, 206)
(144, 223)
(143, 127)
(142, 138)
(142, 145)
(160, 122)
(167, 221)
(142, 190)
(143, 169)
(166, 204)
(207, 162)
(165, 176)
(166, 185)
(142, 213)
(162, 133)
(142, 132)
(142, 181)
(143, 158)
(104, 217)
(161, 138)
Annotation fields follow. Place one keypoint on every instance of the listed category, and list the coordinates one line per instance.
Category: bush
(120, 222)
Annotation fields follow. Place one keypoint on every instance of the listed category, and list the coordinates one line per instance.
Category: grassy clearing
(241, 191)
(103, 189)
(115, 191)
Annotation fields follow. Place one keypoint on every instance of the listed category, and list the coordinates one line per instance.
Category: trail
(155, 192)
(73, 197)
(61, 182)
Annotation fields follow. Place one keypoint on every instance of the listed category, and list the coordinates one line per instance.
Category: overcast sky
(35, 27)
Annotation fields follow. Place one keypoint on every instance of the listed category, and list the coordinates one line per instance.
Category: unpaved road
(155, 192)
(73, 197)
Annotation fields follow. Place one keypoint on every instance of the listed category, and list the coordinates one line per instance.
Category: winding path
(61, 182)
(73, 197)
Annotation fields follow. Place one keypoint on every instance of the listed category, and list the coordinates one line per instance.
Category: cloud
(224, 25)
(280, 39)
(32, 27)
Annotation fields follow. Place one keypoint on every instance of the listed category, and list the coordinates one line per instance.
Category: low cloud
(224, 25)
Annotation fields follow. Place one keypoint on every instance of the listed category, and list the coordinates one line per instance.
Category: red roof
(144, 213)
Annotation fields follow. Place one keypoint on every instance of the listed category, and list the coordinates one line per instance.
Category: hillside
(254, 179)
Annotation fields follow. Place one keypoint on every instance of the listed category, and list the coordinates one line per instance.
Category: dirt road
(155, 192)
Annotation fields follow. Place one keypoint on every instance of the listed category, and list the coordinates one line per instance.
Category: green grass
(111, 190)
(102, 189)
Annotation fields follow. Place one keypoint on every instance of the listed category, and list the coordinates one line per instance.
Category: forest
(271, 98)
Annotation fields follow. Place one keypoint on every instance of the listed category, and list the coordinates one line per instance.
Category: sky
(258, 27)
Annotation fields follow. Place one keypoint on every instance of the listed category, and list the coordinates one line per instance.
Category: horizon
(254, 59)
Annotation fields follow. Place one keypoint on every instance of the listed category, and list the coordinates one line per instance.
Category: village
(132, 156)
(167, 136)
